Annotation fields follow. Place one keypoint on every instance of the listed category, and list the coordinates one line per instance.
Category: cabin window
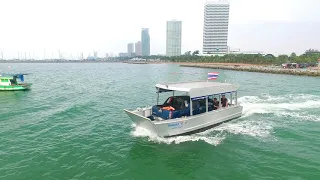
(199, 105)
(169, 100)
(178, 102)
(231, 98)
(235, 98)
(4, 80)
(225, 102)
(212, 103)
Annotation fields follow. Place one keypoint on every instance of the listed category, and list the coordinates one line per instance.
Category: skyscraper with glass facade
(173, 42)
(145, 42)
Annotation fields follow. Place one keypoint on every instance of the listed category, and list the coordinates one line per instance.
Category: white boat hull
(185, 125)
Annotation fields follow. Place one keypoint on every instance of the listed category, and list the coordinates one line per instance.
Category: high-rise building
(138, 48)
(81, 56)
(95, 54)
(145, 42)
(173, 42)
(130, 49)
(215, 30)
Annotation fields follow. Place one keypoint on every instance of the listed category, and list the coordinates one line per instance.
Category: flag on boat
(212, 75)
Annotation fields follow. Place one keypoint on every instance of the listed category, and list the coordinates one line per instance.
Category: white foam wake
(289, 105)
(301, 116)
(213, 140)
(254, 128)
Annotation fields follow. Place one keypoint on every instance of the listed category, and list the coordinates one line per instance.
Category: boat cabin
(10, 79)
(200, 97)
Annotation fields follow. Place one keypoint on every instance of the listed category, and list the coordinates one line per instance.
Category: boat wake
(295, 106)
(253, 122)
(213, 140)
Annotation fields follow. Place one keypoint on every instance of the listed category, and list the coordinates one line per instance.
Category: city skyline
(288, 28)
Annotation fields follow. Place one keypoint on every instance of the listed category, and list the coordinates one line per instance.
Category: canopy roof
(11, 76)
(199, 88)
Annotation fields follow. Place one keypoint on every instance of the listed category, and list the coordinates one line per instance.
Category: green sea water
(71, 125)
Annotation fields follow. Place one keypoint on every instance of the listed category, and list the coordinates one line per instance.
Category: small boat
(8, 82)
(196, 110)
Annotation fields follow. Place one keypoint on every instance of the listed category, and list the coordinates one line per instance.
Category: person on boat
(215, 104)
(13, 82)
(224, 101)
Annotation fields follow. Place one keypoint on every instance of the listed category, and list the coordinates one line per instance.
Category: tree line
(310, 56)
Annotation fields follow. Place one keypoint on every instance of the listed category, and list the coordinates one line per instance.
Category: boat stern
(26, 86)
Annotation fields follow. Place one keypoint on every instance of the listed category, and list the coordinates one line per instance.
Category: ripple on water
(74, 127)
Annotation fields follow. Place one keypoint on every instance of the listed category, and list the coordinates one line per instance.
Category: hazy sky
(74, 26)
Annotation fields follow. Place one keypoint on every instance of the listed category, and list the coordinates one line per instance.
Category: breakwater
(136, 62)
(262, 69)
(59, 61)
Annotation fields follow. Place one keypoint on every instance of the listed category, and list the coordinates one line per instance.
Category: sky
(44, 27)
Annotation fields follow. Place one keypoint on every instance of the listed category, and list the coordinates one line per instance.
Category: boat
(195, 109)
(9, 82)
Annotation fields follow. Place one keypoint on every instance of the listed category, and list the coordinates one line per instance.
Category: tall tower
(138, 48)
(173, 42)
(95, 54)
(130, 49)
(145, 42)
(215, 30)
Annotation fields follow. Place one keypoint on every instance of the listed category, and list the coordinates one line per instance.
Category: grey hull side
(186, 125)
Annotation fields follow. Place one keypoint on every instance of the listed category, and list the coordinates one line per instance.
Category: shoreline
(254, 68)
(83, 61)
(65, 61)
(225, 66)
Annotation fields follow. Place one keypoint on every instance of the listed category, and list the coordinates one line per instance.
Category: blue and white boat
(191, 112)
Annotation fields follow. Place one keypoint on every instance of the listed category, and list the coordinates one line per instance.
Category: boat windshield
(177, 102)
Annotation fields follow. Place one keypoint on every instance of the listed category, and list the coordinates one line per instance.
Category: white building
(130, 49)
(173, 42)
(138, 48)
(215, 30)
(95, 54)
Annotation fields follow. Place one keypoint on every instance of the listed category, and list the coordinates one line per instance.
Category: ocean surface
(71, 125)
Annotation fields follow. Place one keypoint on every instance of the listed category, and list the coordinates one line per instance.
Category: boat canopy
(11, 76)
(197, 89)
